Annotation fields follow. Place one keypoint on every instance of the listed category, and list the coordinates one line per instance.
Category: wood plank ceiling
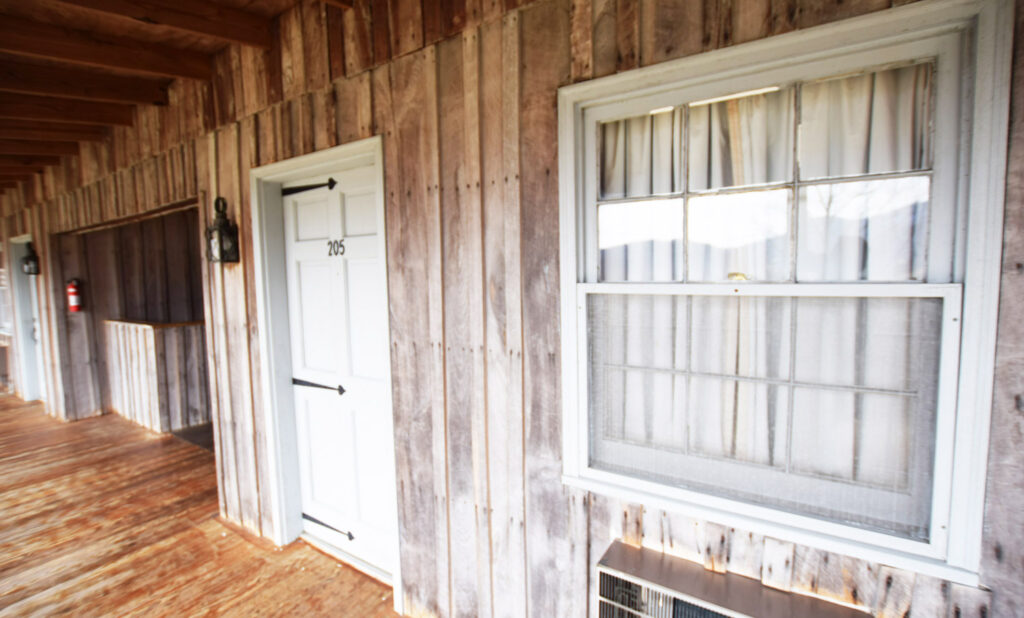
(71, 69)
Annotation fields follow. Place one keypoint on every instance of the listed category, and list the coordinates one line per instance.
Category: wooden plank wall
(463, 94)
(158, 373)
(147, 270)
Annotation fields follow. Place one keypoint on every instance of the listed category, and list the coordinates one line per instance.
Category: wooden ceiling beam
(4, 185)
(24, 147)
(29, 160)
(19, 169)
(198, 16)
(16, 177)
(76, 83)
(31, 107)
(47, 131)
(29, 38)
(343, 4)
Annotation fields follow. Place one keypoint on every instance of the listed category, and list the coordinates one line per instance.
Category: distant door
(26, 328)
(337, 305)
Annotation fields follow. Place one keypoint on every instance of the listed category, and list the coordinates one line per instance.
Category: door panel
(337, 297)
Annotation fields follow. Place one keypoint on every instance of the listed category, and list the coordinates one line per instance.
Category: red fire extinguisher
(74, 296)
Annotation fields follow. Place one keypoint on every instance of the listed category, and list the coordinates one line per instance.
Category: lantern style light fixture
(30, 263)
(222, 235)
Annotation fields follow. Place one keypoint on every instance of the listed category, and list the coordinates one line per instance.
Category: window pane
(637, 345)
(641, 241)
(696, 392)
(882, 343)
(747, 337)
(739, 236)
(741, 141)
(641, 155)
(872, 123)
(864, 231)
(733, 419)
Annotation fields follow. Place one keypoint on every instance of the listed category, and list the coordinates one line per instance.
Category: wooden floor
(101, 517)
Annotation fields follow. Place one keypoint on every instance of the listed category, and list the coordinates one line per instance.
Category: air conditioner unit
(636, 582)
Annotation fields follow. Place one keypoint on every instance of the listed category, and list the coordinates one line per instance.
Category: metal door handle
(298, 382)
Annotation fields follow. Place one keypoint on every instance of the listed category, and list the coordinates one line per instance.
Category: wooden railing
(158, 373)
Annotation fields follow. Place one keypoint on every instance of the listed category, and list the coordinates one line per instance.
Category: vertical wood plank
(605, 49)
(895, 593)
(746, 553)
(176, 256)
(405, 108)
(545, 66)
(260, 421)
(227, 488)
(335, 24)
(969, 602)
(158, 355)
(817, 12)
(406, 26)
(353, 108)
(383, 25)
(103, 256)
(581, 39)
(155, 270)
(83, 397)
(293, 62)
(132, 264)
(930, 597)
(848, 579)
(316, 55)
(777, 568)
(716, 547)
(358, 37)
(499, 144)
(176, 386)
(461, 235)
(670, 29)
(324, 118)
(236, 335)
(196, 371)
(627, 34)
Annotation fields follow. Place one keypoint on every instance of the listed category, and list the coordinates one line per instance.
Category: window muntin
(710, 393)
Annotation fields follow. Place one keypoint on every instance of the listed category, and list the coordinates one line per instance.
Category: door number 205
(335, 247)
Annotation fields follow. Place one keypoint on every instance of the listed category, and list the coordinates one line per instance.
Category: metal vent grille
(619, 598)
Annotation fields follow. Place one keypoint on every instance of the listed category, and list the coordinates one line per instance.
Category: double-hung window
(764, 270)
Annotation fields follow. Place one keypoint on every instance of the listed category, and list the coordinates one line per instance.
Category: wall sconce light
(30, 263)
(222, 235)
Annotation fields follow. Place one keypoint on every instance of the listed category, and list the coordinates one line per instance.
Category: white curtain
(712, 376)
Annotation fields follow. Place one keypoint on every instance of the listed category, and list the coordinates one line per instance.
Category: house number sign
(335, 247)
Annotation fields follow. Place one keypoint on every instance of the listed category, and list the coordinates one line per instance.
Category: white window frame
(980, 35)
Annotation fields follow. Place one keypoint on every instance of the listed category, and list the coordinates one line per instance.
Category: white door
(27, 327)
(337, 305)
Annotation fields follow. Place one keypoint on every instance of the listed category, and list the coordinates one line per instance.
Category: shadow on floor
(200, 435)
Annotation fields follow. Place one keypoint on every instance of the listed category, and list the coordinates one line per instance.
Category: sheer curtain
(836, 389)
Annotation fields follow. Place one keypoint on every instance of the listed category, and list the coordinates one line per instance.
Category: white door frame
(267, 209)
(20, 305)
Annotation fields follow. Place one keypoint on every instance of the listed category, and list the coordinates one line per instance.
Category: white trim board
(274, 340)
(986, 29)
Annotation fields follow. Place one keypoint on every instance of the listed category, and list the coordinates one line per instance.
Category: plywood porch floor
(100, 517)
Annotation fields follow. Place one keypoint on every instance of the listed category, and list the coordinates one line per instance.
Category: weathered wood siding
(157, 373)
(464, 94)
(147, 270)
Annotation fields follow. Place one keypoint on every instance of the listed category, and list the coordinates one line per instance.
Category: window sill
(749, 518)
